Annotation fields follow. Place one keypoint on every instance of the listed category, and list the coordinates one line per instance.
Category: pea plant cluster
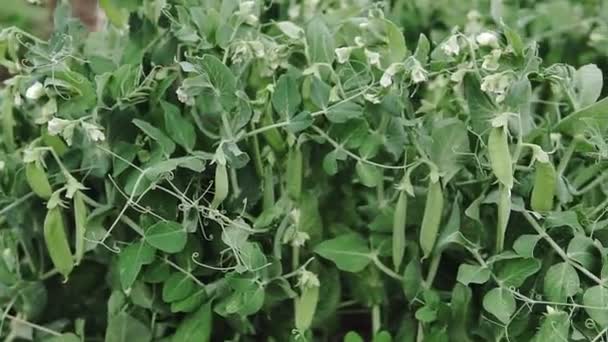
(306, 171)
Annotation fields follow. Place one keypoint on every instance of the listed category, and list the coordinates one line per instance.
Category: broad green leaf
(343, 111)
(397, 50)
(197, 327)
(290, 29)
(581, 249)
(481, 108)
(131, 260)
(472, 274)
(349, 252)
(591, 117)
(320, 41)
(286, 97)
(352, 336)
(500, 303)
(319, 93)
(525, 245)
(67, 337)
(596, 300)
(125, 328)
(168, 236)
(561, 282)
(461, 307)
(515, 271)
(383, 336)
(157, 135)
(300, 122)
(450, 144)
(588, 82)
(178, 128)
(179, 286)
(369, 175)
(222, 79)
(422, 49)
(555, 327)
(190, 303)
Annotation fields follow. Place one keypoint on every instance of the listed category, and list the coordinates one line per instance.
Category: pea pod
(399, 221)
(272, 136)
(305, 307)
(221, 185)
(37, 180)
(80, 220)
(57, 241)
(543, 192)
(431, 218)
(504, 212)
(268, 199)
(294, 173)
(500, 156)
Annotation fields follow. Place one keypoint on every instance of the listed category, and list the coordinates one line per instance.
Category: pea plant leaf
(167, 236)
(349, 252)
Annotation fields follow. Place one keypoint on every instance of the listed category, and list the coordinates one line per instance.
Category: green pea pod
(543, 192)
(37, 180)
(55, 143)
(399, 221)
(272, 136)
(500, 156)
(294, 173)
(504, 212)
(57, 242)
(221, 185)
(432, 217)
(305, 307)
(80, 220)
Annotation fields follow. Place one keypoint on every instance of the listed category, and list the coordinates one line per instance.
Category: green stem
(433, 268)
(566, 157)
(375, 319)
(382, 267)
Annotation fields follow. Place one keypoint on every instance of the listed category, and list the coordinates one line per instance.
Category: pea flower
(487, 39)
(451, 47)
(490, 61)
(373, 58)
(308, 279)
(419, 74)
(56, 125)
(93, 132)
(35, 91)
(387, 77)
(343, 54)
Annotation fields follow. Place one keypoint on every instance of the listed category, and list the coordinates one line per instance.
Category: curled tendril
(195, 256)
(590, 324)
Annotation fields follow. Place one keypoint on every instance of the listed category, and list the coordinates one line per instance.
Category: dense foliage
(205, 170)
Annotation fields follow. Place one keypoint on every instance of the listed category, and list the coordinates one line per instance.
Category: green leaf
(588, 82)
(555, 327)
(500, 303)
(581, 249)
(286, 96)
(67, 337)
(190, 303)
(178, 128)
(561, 282)
(179, 286)
(352, 336)
(349, 252)
(343, 111)
(525, 245)
(197, 327)
(222, 79)
(472, 274)
(300, 122)
(515, 271)
(124, 328)
(131, 260)
(383, 336)
(593, 116)
(369, 175)
(320, 41)
(481, 108)
(596, 300)
(397, 50)
(168, 236)
(319, 93)
(157, 135)
(450, 144)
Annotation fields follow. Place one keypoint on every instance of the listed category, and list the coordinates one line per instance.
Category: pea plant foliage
(300, 171)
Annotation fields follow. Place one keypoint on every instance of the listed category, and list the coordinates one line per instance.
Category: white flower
(496, 84)
(17, 100)
(458, 75)
(371, 97)
(299, 239)
(373, 58)
(294, 11)
(387, 77)
(419, 74)
(487, 39)
(343, 54)
(359, 41)
(30, 155)
(308, 279)
(246, 11)
(490, 61)
(451, 47)
(56, 125)
(93, 132)
(35, 91)
(473, 15)
(183, 97)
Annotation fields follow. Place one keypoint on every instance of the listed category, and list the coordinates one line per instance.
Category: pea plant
(305, 171)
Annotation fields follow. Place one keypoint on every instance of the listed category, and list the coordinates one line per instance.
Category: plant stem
(375, 319)
(385, 269)
(433, 267)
